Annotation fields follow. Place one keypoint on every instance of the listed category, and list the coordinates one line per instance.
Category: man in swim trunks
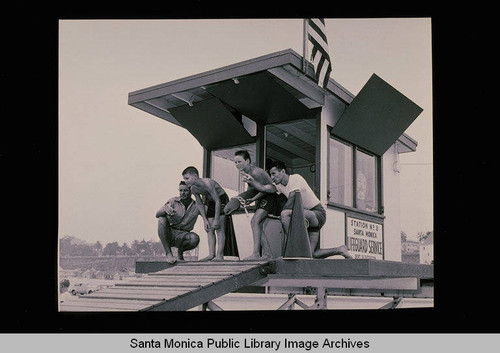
(265, 202)
(314, 211)
(215, 198)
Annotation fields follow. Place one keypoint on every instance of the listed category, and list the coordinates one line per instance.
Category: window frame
(379, 213)
(209, 165)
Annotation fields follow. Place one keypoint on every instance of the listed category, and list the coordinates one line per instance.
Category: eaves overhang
(214, 105)
(268, 89)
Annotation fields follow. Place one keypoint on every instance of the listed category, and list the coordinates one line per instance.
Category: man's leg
(313, 230)
(324, 253)
(221, 239)
(189, 241)
(286, 218)
(234, 202)
(165, 235)
(286, 213)
(211, 243)
(256, 224)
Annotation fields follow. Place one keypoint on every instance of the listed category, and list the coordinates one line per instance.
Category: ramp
(178, 288)
(184, 286)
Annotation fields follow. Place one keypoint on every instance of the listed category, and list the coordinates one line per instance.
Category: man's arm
(268, 188)
(200, 206)
(166, 209)
(162, 212)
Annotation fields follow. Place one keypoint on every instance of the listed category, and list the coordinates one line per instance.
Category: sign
(364, 239)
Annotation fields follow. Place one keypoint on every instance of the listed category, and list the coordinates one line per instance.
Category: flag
(320, 57)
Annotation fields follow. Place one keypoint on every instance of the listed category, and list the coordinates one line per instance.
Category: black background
(466, 230)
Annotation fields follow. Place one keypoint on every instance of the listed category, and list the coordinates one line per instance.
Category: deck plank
(111, 304)
(192, 280)
(94, 309)
(144, 290)
(135, 296)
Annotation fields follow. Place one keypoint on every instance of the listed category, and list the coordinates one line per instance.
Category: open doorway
(294, 143)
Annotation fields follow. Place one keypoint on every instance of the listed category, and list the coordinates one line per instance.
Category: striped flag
(320, 58)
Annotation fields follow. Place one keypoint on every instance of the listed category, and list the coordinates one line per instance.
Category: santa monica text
(166, 343)
(247, 343)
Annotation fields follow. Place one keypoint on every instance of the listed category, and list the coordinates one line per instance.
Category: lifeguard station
(345, 146)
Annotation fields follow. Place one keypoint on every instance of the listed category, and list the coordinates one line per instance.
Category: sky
(118, 165)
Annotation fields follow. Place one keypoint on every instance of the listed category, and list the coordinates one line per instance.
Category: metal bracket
(268, 268)
(393, 304)
(290, 303)
(210, 305)
(320, 302)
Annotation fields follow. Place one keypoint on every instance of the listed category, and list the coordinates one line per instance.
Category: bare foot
(344, 252)
(171, 259)
(218, 259)
(208, 258)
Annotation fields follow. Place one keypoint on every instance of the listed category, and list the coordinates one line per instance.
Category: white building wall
(391, 197)
(242, 230)
(333, 233)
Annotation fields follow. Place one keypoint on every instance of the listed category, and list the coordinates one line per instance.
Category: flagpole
(304, 47)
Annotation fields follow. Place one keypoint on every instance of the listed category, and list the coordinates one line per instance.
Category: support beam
(344, 282)
(393, 304)
(210, 305)
(301, 135)
(321, 299)
(291, 147)
(290, 303)
(313, 92)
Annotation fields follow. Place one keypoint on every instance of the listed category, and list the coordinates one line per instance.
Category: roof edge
(261, 63)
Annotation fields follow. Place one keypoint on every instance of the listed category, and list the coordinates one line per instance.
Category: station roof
(270, 89)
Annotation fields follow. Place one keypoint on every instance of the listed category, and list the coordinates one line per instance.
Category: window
(366, 182)
(352, 177)
(340, 173)
(224, 171)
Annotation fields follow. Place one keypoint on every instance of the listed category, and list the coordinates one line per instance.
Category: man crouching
(176, 220)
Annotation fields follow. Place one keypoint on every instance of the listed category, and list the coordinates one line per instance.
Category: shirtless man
(313, 210)
(265, 202)
(215, 198)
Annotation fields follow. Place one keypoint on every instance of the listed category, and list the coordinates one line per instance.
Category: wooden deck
(179, 287)
(185, 285)
(356, 277)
